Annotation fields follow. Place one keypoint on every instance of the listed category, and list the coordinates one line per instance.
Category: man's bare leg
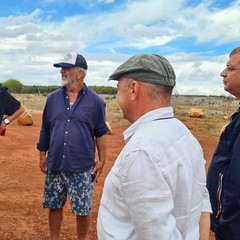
(55, 218)
(83, 224)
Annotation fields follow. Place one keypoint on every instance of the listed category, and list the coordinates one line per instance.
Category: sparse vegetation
(217, 110)
(13, 85)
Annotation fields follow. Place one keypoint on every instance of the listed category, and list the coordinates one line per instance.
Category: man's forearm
(16, 114)
(102, 148)
(204, 226)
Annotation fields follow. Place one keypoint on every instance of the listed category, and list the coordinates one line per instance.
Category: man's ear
(134, 88)
(81, 73)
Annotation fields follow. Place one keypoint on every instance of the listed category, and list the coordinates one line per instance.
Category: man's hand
(97, 170)
(2, 127)
(43, 162)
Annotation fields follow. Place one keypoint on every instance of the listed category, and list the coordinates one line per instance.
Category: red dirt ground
(21, 182)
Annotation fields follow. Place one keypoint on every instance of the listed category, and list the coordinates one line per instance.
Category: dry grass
(217, 110)
(32, 102)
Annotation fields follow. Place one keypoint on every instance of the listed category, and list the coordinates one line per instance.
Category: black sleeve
(11, 104)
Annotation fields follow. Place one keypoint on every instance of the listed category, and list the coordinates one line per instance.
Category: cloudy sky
(195, 36)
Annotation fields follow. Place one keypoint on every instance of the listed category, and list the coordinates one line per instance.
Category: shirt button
(63, 156)
(66, 132)
(68, 108)
(68, 120)
(65, 144)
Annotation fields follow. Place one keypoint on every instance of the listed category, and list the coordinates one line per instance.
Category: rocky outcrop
(26, 119)
(196, 112)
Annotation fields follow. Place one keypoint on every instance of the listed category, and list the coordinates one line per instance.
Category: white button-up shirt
(156, 189)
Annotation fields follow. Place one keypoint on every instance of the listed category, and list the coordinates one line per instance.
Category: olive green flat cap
(149, 68)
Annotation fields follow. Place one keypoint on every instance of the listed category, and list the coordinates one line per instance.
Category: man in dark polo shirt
(10, 109)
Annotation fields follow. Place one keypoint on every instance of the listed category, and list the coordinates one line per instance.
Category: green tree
(13, 85)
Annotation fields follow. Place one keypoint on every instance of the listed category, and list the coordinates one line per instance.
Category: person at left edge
(10, 109)
(73, 125)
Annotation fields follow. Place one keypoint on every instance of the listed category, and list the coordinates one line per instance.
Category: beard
(66, 81)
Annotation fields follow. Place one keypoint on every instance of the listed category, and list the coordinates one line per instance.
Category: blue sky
(195, 36)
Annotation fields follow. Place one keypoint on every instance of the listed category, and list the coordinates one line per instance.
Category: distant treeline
(15, 86)
(48, 89)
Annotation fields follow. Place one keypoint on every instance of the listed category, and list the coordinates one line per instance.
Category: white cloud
(30, 43)
(198, 74)
(209, 24)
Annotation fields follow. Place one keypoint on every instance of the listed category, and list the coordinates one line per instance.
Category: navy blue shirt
(68, 132)
(8, 104)
(223, 183)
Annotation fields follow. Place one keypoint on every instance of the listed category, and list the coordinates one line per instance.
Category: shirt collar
(82, 92)
(159, 113)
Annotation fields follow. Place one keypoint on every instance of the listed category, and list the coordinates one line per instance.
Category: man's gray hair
(82, 69)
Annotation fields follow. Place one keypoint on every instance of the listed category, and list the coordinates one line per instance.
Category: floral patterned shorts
(78, 186)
